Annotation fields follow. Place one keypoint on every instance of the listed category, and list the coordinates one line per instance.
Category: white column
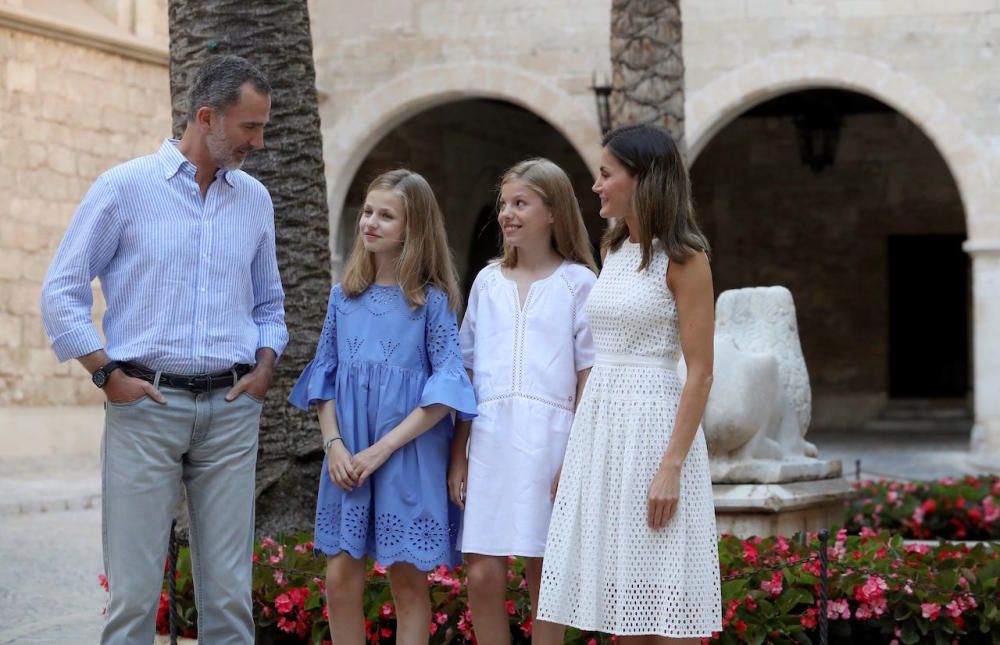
(985, 446)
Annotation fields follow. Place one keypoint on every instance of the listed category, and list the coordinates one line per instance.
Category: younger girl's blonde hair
(425, 259)
(569, 235)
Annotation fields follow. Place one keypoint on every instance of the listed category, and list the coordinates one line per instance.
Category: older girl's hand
(664, 493)
(369, 460)
(338, 463)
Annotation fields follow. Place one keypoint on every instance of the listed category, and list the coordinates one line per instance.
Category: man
(183, 243)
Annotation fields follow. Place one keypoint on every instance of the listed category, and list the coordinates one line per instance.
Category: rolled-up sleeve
(269, 297)
(88, 246)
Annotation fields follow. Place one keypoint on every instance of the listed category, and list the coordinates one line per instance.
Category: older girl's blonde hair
(425, 259)
(569, 234)
(661, 201)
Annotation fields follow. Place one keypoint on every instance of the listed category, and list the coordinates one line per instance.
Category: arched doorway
(849, 204)
(462, 148)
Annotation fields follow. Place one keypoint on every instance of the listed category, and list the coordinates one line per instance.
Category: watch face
(99, 378)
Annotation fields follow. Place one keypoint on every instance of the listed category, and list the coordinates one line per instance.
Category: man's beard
(223, 155)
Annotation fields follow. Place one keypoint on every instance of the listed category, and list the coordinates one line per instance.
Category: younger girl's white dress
(605, 569)
(524, 361)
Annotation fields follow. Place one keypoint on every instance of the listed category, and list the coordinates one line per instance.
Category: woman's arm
(691, 284)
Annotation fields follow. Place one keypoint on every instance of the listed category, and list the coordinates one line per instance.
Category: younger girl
(386, 376)
(526, 342)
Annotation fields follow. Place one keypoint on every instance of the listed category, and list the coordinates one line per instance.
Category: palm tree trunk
(275, 36)
(648, 64)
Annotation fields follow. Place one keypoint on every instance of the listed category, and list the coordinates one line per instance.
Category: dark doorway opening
(928, 317)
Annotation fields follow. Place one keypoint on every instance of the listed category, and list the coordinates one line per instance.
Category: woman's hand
(458, 477)
(664, 493)
(369, 460)
(339, 466)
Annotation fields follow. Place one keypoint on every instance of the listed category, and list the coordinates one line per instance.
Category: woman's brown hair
(425, 259)
(661, 202)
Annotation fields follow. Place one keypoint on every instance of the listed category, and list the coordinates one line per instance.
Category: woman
(632, 547)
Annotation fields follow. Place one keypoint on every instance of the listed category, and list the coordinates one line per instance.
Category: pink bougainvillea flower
(930, 610)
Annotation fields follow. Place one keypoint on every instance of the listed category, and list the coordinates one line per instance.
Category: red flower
(286, 625)
(772, 586)
(511, 607)
(750, 554)
(162, 614)
(103, 581)
(284, 604)
(930, 610)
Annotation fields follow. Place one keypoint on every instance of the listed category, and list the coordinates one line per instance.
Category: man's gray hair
(219, 83)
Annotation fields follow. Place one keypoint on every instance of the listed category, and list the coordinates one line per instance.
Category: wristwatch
(101, 374)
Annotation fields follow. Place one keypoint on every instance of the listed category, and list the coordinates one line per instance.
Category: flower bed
(954, 509)
(880, 590)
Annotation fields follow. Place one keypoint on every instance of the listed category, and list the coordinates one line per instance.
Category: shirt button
(202, 290)
(201, 323)
(204, 255)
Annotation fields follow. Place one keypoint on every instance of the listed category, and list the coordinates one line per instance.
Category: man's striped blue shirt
(191, 284)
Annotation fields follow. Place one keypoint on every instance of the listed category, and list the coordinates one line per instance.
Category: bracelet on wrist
(329, 443)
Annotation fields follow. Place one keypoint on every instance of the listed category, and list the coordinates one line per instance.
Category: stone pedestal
(780, 509)
(985, 445)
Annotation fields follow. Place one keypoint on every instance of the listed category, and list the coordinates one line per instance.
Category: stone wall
(67, 113)
(383, 63)
(462, 149)
(773, 221)
(934, 61)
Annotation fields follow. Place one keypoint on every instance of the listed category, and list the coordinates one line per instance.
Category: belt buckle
(194, 386)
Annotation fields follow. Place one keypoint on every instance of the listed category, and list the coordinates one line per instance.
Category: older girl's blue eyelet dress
(380, 359)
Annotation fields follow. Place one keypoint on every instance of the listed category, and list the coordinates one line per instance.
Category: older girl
(387, 374)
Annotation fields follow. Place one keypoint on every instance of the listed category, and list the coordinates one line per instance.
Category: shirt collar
(173, 162)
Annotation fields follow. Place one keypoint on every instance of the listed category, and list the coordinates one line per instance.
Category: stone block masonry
(67, 113)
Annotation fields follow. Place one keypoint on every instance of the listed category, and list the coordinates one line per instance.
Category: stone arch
(375, 114)
(711, 108)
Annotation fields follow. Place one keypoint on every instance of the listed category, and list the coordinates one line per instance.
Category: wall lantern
(818, 127)
(602, 95)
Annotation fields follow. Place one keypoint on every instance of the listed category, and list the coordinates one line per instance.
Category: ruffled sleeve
(318, 380)
(449, 383)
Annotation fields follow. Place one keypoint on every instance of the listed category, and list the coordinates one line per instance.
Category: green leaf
(734, 588)
(908, 634)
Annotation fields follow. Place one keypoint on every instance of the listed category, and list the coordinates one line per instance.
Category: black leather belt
(198, 383)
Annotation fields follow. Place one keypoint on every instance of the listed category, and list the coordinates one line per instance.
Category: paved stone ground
(50, 592)
(50, 542)
(897, 455)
